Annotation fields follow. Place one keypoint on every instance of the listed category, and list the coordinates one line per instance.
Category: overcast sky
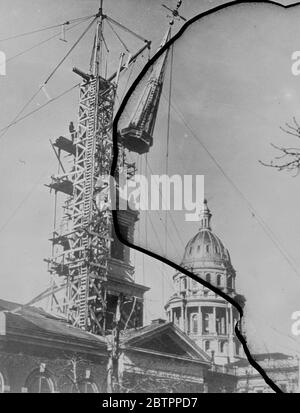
(232, 81)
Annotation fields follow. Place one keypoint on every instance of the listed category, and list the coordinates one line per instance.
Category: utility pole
(115, 351)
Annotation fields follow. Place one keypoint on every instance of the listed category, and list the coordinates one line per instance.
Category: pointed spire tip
(205, 216)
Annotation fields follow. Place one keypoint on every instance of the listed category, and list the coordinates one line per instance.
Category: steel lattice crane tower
(89, 274)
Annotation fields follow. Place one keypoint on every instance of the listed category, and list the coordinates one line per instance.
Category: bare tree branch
(289, 157)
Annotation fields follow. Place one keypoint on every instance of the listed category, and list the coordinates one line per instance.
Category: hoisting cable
(4, 130)
(172, 219)
(170, 238)
(23, 200)
(118, 37)
(155, 233)
(66, 23)
(70, 51)
(48, 78)
(255, 319)
(127, 81)
(126, 29)
(268, 231)
(42, 106)
(104, 42)
(41, 42)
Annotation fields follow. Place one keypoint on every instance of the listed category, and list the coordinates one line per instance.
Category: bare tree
(289, 157)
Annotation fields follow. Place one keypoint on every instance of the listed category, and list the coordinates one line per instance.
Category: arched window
(194, 323)
(38, 382)
(176, 315)
(198, 248)
(223, 347)
(237, 347)
(88, 386)
(207, 345)
(219, 278)
(183, 283)
(206, 323)
(207, 247)
(229, 282)
(2, 383)
(208, 278)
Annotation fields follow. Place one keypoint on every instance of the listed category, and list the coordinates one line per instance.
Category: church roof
(166, 338)
(205, 246)
(27, 323)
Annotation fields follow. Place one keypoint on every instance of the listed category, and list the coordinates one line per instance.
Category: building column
(229, 329)
(214, 331)
(231, 334)
(183, 316)
(200, 320)
(185, 321)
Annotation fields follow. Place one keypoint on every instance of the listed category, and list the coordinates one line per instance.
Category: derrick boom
(90, 268)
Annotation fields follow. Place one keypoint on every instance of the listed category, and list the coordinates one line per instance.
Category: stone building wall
(143, 372)
(68, 373)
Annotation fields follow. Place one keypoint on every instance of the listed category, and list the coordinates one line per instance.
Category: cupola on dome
(205, 246)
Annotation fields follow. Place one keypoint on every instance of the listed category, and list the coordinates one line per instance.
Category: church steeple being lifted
(203, 315)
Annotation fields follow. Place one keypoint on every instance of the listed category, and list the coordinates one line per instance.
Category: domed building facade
(203, 315)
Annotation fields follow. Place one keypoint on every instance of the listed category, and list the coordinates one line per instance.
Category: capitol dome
(205, 247)
(204, 315)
